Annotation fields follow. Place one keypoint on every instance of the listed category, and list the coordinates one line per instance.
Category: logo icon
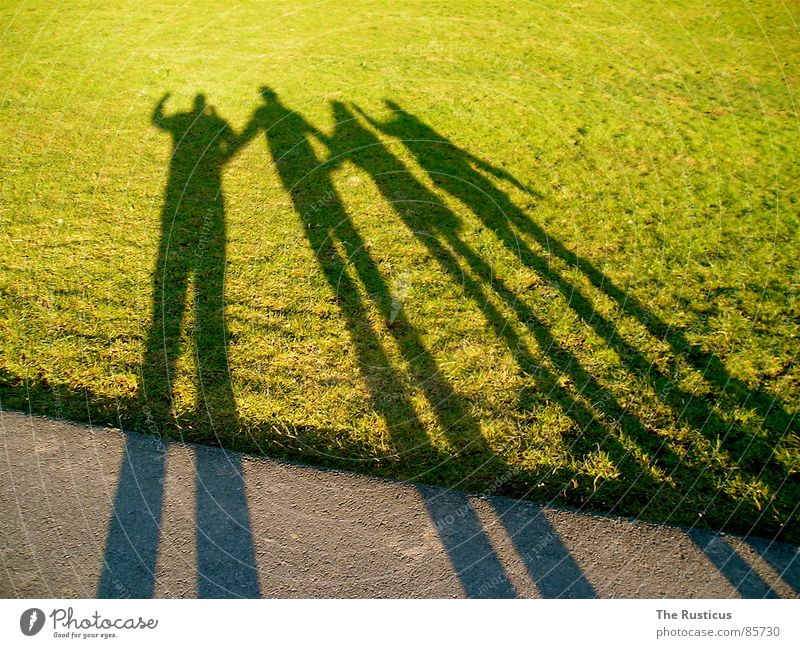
(31, 621)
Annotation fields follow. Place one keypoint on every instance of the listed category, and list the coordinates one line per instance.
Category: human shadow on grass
(464, 177)
(190, 270)
(226, 566)
(189, 276)
(345, 260)
(440, 231)
(191, 261)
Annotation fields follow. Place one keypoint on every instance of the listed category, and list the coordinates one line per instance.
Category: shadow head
(200, 103)
(268, 94)
(391, 105)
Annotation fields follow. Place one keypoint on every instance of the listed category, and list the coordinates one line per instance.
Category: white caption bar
(400, 623)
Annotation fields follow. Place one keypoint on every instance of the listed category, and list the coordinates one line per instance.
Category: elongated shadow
(327, 227)
(129, 563)
(548, 561)
(464, 177)
(188, 286)
(191, 260)
(340, 250)
(438, 229)
(345, 258)
(732, 566)
(226, 565)
(191, 256)
(467, 545)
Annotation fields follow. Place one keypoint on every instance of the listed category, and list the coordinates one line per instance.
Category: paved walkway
(97, 512)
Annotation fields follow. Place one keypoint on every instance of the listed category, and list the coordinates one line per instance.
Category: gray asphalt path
(92, 512)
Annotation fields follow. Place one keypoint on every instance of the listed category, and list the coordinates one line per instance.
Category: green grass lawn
(541, 249)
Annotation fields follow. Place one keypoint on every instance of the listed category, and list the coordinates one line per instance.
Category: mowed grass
(587, 295)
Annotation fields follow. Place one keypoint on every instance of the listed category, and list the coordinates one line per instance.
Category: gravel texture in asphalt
(97, 512)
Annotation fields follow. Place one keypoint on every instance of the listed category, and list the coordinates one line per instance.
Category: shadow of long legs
(457, 172)
(732, 566)
(339, 250)
(192, 249)
(129, 562)
(226, 563)
(783, 558)
(225, 556)
(351, 141)
(327, 228)
(686, 406)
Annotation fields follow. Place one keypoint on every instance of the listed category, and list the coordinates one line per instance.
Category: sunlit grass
(642, 358)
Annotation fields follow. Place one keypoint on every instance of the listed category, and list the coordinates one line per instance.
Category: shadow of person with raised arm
(463, 176)
(440, 230)
(341, 251)
(191, 256)
(326, 225)
(190, 261)
(346, 260)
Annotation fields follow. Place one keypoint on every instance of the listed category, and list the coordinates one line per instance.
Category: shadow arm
(158, 118)
(500, 174)
(235, 142)
(247, 134)
(375, 124)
